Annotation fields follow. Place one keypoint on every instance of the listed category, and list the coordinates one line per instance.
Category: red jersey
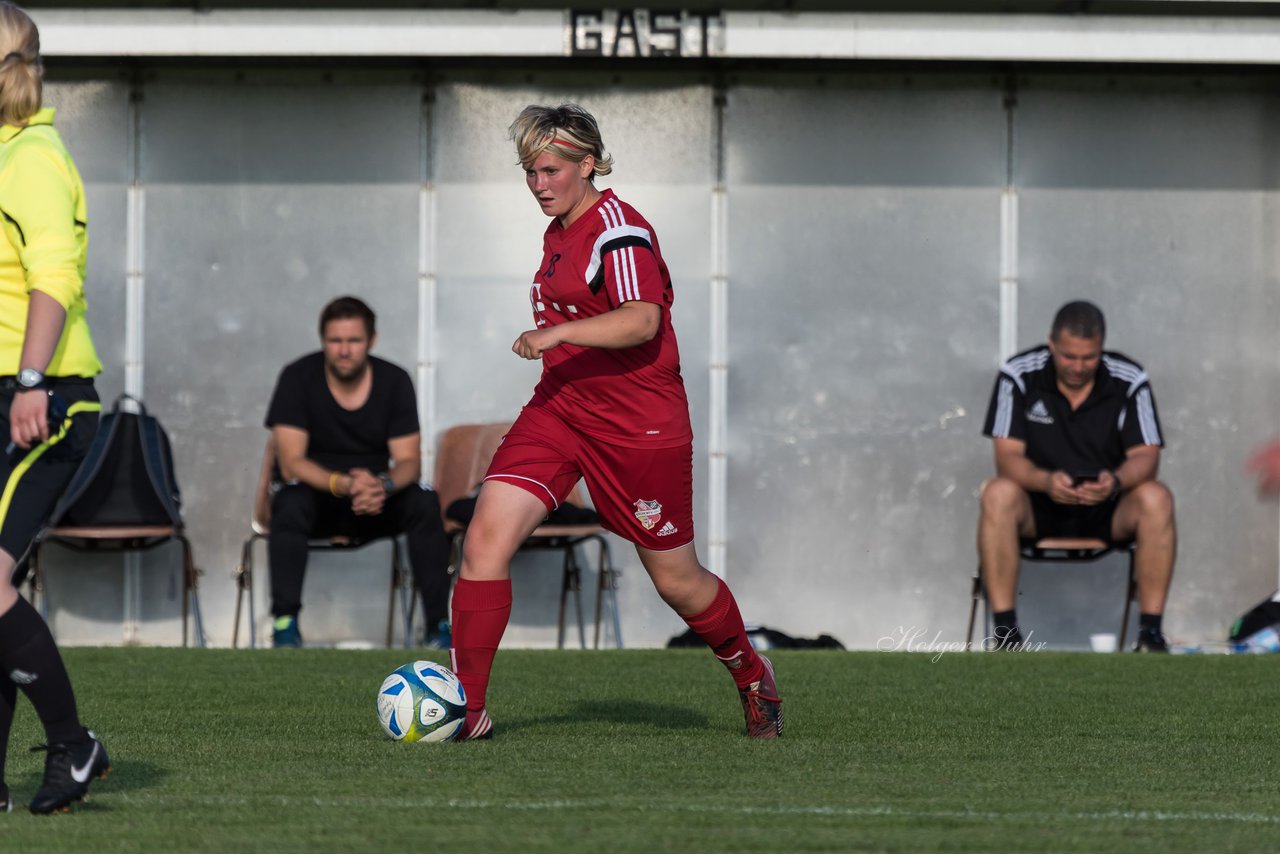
(632, 397)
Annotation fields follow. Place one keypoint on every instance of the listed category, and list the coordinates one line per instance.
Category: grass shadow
(129, 775)
(627, 713)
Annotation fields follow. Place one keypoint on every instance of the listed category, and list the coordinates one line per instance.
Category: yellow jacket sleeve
(37, 199)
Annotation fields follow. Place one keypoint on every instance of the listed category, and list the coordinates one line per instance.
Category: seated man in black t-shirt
(337, 417)
(1077, 446)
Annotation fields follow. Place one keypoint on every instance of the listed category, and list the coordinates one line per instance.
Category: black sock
(29, 657)
(8, 696)
(1006, 621)
(1150, 623)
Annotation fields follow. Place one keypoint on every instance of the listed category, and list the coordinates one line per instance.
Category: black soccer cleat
(68, 768)
(1151, 641)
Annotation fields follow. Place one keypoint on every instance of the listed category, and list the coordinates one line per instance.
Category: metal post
(135, 346)
(426, 368)
(719, 357)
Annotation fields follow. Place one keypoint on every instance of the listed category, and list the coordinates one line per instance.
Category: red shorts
(644, 495)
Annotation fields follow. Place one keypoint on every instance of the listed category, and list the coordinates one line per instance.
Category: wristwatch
(30, 378)
(388, 485)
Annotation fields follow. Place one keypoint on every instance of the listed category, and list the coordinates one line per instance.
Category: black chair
(121, 538)
(260, 526)
(1060, 550)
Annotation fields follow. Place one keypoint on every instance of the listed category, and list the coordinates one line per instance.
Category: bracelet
(333, 476)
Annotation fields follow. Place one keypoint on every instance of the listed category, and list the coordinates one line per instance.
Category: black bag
(1264, 615)
(762, 638)
(126, 478)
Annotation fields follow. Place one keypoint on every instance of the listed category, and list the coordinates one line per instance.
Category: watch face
(30, 378)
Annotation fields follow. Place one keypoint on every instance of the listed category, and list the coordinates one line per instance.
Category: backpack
(1256, 629)
(127, 477)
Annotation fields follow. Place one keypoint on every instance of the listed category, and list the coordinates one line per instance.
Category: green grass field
(643, 751)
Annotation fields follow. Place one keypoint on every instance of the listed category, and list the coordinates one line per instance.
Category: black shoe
(439, 638)
(1151, 641)
(1006, 640)
(68, 768)
(6, 803)
(285, 633)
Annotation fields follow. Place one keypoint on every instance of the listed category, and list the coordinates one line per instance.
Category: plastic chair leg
(577, 595)
(395, 582)
(607, 585)
(1130, 594)
(191, 594)
(973, 607)
(244, 589)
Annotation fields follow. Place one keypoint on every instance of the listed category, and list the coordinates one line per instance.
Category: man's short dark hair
(1081, 318)
(345, 308)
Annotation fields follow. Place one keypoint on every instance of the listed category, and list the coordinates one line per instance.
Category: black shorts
(32, 480)
(1068, 520)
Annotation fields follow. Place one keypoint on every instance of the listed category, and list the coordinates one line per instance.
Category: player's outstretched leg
(721, 626)
(707, 605)
(68, 768)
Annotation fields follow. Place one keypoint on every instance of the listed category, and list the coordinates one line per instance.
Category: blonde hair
(572, 130)
(21, 69)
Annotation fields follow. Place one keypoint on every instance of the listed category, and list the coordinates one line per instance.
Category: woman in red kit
(610, 409)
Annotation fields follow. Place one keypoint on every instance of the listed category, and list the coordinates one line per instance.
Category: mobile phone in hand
(1081, 478)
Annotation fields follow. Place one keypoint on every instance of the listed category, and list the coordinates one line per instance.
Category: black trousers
(300, 513)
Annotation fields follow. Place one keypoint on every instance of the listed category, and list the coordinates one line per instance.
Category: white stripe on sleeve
(1004, 409)
(1147, 418)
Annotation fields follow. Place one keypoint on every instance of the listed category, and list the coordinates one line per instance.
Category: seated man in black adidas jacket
(345, 425)
(1077, 447)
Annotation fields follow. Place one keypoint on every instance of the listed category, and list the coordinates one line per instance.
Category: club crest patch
(649, 513)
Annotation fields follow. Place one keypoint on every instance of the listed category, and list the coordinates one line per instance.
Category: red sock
(480, 613)
(721, 627)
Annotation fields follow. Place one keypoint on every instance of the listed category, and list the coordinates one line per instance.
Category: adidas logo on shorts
(667, 530)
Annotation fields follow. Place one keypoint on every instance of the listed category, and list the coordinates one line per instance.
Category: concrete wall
(863, 314)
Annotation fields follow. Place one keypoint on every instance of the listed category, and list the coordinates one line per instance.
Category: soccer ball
(422, 701)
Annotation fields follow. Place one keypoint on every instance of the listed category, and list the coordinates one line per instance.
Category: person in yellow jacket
(48, 405)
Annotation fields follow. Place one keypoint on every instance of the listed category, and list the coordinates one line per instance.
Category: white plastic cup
(1105, 642)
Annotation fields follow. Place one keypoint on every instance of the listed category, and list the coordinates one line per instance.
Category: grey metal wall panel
(93, 118)
(863, 316)
(264, 203)
(1161, 208)
(862, 306)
